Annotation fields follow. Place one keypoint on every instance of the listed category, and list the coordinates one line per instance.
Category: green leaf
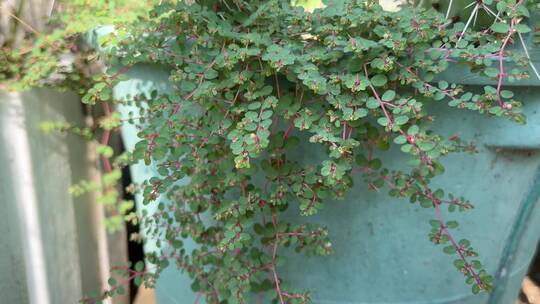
(424, 202)
(491, 72)
(139, 266)
(388, 95)
(464, 243)
(425, 146)
(379, 80)
(406, 148)
(254, 106)
(375, 164)
(507, 94)
(443, 85)
(459, 264)
(372, 103)
(461, 44)
(413, 130)
(522, 28)
(401, 120)
(120, 290)
(449, 249)
(500, 27)
(210, 74)
(400, 140)
(452, 224)
(112, 282)
(383, 121)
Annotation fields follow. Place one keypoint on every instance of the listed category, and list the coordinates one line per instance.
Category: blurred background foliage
(40, 43)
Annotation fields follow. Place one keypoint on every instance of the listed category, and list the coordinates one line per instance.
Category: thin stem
(381, 103)
(501, 62)
(277, 85)
(274, 254)
(28, 26)
(440, 219)
(531, 63)
(105, 140)
(523, 44)
(475, 10)
(449, 9)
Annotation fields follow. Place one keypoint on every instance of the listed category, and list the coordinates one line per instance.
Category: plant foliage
(253, 80)
(55, 56)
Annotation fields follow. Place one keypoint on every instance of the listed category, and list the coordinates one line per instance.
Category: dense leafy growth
(55, 56)
(255, 79)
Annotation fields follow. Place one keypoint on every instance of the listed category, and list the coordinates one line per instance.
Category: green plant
(252, 79)
(55, 56)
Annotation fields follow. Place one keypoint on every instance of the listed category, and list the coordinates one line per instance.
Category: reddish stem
(105, 139)
(381, 103)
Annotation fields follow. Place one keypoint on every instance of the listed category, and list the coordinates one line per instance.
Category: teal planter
(382, 253)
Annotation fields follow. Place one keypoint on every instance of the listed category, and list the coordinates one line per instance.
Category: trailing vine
(253, 80)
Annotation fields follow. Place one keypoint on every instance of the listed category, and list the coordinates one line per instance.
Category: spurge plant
(255, 80)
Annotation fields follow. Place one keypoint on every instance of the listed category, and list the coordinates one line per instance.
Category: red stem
(381, 103)
(105, 139)
(501, 63)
